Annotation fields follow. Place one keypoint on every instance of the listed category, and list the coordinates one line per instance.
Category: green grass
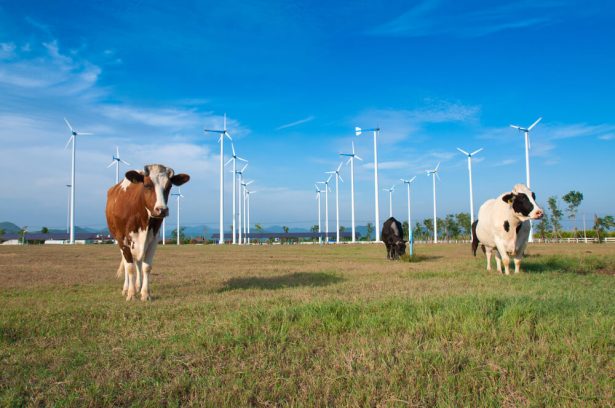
(308, 326)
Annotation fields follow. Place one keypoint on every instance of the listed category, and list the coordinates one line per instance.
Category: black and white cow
(392, 236)
(503, 224)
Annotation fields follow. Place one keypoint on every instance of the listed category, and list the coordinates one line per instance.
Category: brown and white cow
(135, 210)
(503, 224)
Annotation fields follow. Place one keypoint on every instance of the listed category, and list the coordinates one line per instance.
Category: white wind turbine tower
(470, 155)
(337, 199)
(408, 182)
(244, 200)
(376, 131)
(240, 202)
(327, 189)
(434, 173)
(350, 161)
(318, 191)
(390, 190)
(68, 210)
(222, 134)
(234, 159)
(526, 131)
(178, 195)
(248, 193)
(116, 160)
(73, 138)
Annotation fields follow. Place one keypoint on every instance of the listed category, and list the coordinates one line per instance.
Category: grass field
(308, 326)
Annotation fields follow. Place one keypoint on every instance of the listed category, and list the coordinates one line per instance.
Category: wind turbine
(73, 138)
(234, 159)
(376, 131)
(116, 160)
(318, 191)
(337, 199)
(408, 182)
(350, 161)
(327, 189)
(240, 199)
(390, 190)
(178, 195)
(222, 134)
(434, 173)
(248, 192)
(164, 239)
(470, 155)
(68, 210)
(245, 210)
(526, 131)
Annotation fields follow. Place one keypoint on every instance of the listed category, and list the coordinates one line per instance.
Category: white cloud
(295, 123)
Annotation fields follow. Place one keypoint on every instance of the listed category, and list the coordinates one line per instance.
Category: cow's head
(399, 248)
(523, 203)
(157, 181)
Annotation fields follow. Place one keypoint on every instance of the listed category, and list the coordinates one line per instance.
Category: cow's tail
(120, 269)
(474, 238)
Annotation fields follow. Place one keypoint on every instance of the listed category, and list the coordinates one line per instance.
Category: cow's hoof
(130, 296)
(124, 292)
(145, 297)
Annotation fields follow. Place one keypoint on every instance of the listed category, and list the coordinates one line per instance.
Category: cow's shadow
(292, 280)
(419, 258)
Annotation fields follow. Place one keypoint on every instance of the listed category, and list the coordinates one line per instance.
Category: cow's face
(400, 248)
(523, 203)
(157, 181)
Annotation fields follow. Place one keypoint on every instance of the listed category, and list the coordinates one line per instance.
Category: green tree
(404, 226)
(258, 227)
(464, 223)
(419, 231)
(428, 223)
(2, 232)
(603, 224)
(285, 228)
(544, 226)
(452, 227)
(45, 230)
(370, 230)
(556, 215)
(573, 199)
(182, 235)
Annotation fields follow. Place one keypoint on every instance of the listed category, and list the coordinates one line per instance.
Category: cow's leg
(488, 255)
(498, 261)
(129, 287)
(504, 258)
(139, 272)
(147, 268)
(520, 250)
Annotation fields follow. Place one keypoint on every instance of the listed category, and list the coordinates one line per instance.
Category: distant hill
(9, 227)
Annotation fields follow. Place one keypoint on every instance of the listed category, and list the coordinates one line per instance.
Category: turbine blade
(357, 157)
(436, 169)
(515, 127)
(125, 162)
(117, 151)
(330, 177)
(249, 182)
(348, 161)
(437, 175)
(476, 151)
(229, 160)
(357, 131)
(412, 179)
(339, 167)
(68, 142)
(353, 147)
(340, 177)
(243, 160)
(84, 134)
(534, 124)
(244, 167)
(233, 148)
(329, 172)
(68, 124)
(111, 164)
(227, 134)
(463, 151)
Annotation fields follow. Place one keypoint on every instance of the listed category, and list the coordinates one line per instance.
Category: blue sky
(294, 80)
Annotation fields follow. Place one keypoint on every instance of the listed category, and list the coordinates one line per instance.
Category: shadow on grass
(418, 258)
(563, 264)
(291, 280)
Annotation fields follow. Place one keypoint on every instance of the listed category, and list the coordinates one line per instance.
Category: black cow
(392, 236)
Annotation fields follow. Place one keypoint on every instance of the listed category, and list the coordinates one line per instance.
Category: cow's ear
(134, 176)
(508, 198)
(179, 179)
(534, 195)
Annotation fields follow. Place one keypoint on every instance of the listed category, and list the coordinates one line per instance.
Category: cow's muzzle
(160, 212)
